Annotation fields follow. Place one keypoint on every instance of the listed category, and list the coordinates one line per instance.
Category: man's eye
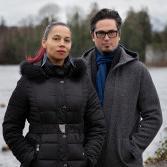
(101, 33)
(112, 32)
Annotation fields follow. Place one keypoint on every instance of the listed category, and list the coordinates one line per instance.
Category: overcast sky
(15, 10)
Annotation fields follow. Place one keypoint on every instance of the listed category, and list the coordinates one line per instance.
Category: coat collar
(125, 57)
(38, 73)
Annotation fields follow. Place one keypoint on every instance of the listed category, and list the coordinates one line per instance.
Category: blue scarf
(101, 61)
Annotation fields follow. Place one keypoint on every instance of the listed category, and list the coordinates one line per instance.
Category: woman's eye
(56, 39)
(67, 40)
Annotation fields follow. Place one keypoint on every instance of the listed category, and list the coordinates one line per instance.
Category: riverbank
(159, 164)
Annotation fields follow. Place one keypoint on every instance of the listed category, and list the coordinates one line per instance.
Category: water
(8, 79)
(159, 76)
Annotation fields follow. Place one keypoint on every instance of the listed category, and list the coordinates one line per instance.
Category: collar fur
(36, 72)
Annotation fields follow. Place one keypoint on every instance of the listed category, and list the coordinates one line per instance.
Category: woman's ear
(43, 43)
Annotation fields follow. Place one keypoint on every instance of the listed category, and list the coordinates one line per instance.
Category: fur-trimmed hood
(38, 73)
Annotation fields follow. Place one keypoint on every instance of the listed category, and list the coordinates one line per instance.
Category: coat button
(64, 136)
(64, 107)
(61, 81)
(62, 128)
(65, 165)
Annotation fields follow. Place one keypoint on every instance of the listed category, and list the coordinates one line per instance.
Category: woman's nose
(62, 42)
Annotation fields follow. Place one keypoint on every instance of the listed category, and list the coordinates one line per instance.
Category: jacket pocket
(126, 152)
(28, 159)
(48, 148)
(77, 164)
(76, 152)
(37, 148)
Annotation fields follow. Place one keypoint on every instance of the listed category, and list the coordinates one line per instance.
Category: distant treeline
(20, 41)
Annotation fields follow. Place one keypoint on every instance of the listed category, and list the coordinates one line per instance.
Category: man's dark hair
(105, 14)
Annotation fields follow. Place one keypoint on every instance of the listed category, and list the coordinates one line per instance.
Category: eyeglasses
(110, 34)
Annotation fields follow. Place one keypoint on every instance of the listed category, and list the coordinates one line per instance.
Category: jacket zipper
(37, 148)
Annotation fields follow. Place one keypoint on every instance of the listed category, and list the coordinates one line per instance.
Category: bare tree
(49, 11)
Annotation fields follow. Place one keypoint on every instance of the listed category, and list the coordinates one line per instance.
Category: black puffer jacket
(66, 124)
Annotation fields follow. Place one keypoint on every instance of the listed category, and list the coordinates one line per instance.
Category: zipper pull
(37, 147)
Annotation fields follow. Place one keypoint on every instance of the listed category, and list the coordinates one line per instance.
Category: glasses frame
(110, 34)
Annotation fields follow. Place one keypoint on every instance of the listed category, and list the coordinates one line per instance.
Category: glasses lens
(112, 33)
(100, 34)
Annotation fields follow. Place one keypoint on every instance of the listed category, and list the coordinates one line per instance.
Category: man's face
(106, 36)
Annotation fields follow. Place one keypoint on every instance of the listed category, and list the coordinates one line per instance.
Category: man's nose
(106, 37)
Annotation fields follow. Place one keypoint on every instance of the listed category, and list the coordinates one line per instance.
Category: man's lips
(106, 43)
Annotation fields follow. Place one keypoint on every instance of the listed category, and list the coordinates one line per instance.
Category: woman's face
(58, 44)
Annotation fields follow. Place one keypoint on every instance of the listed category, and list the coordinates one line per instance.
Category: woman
(66, 125)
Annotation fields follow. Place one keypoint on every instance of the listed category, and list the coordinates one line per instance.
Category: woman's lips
(61, 51)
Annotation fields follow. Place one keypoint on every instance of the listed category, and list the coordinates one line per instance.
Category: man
(126, 92)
